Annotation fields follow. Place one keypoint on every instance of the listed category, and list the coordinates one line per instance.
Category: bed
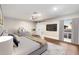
(30, 45)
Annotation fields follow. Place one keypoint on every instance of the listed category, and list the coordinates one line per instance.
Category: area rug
(54, 50)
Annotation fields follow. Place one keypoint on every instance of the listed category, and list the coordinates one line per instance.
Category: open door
(67, 30)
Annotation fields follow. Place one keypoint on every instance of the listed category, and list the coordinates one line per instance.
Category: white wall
(13, 25)
(41, 29)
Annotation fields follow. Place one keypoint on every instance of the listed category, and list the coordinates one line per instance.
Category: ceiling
(25, 11)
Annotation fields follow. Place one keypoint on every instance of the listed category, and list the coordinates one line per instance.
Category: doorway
(67, 30)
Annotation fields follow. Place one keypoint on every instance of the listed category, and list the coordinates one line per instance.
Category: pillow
(5, 33)
(15, 41)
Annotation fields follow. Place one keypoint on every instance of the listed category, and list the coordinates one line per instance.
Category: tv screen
(51, 27)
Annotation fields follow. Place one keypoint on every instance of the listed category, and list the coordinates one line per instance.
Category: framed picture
(1, 16)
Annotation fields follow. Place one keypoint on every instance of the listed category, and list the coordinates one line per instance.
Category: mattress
(38, 40)
(43, 45)
(26, 46)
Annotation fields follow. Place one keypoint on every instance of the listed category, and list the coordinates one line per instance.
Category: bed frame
(40, 50)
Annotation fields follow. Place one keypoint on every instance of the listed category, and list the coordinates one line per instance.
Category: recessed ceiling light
(55, 8)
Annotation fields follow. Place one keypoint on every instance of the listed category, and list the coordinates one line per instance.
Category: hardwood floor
(70, 49)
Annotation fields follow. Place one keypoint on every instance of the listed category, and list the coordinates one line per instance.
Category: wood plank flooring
(71, 49)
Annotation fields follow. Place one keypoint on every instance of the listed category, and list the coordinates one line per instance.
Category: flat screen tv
(51, 27)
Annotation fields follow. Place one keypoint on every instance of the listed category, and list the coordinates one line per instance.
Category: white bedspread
(26, 46)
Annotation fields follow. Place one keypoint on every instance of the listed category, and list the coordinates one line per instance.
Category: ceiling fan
(36, 16)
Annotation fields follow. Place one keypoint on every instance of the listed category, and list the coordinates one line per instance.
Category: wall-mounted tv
(51, 27)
